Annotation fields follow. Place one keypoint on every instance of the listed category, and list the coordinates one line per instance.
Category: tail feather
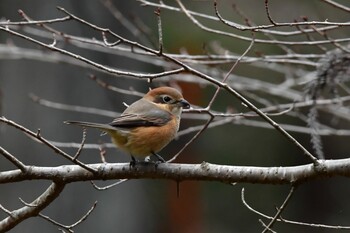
(104, 127)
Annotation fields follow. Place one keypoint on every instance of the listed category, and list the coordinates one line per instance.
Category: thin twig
(108, 186)
(46, 142)
(69, 227)
(274, 124)
(35, 22)
(128, 25)
(73, 108)
(13, 159)
(337, 5)
(160, 33)
(211, 102)
(280, 219)
(243, 38)
(259, 28)
(202, 129)
(81, 145)
(90, 62)
(280, 209)
(114, 88)
(8, 212)
(267, 9)
(266, 227)
(33, 209)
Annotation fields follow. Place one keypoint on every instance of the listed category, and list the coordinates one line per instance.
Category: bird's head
(168, 99)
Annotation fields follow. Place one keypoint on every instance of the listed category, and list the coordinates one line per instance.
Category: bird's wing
(142, 113)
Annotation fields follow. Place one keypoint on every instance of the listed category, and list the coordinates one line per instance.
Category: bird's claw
(133, 162)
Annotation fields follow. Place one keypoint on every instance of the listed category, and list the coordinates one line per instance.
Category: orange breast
(142, 141)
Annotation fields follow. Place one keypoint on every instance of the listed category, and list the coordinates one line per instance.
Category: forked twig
(33, 209)
(280, 209)
(69, 227)
(280, 219)
(211, 103)
(37, 136)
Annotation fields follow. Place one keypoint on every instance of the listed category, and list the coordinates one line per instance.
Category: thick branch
(182, 172)
(33, 209)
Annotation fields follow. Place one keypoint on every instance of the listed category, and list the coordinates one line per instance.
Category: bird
(147, 125)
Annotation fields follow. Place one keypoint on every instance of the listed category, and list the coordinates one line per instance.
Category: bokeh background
(153, 205)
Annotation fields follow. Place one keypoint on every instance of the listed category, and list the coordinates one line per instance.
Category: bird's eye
(166, 99)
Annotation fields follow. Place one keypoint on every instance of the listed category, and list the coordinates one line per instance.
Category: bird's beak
(184, 104)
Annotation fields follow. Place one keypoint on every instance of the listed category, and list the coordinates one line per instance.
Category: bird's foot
(133, 161)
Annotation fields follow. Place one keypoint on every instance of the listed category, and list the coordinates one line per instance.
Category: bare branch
(86, 146)
(33, 209)
(293, 55)
(73, 108)
(69, 227)
(260, 28)
(108, 186)
(266, 227)
(160, 33)
(37, 136)
(337, 5)
(114, 88)
(5, 210)
(202, 129)
(211, 103)
(268, 13)
(90, 62)
(123, 20)
(13, 159)
(81, 145)
(35, 22)
(314, 225)
(280, 209)
(181, 172)
(243, 38)
(185, 67)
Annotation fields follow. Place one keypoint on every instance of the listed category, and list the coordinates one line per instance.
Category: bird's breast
(143, 141)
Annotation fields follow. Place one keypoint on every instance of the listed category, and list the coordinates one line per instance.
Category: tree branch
(183, 172)
(33, 209)
(280, 219)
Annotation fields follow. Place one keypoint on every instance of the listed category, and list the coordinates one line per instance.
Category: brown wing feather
(142, 113)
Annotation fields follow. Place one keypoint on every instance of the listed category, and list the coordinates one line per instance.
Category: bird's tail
(103, 127)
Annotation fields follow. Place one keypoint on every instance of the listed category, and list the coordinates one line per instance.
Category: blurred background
(153, 205)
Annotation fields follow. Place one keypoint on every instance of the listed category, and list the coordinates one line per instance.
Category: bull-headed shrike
(147, 125)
